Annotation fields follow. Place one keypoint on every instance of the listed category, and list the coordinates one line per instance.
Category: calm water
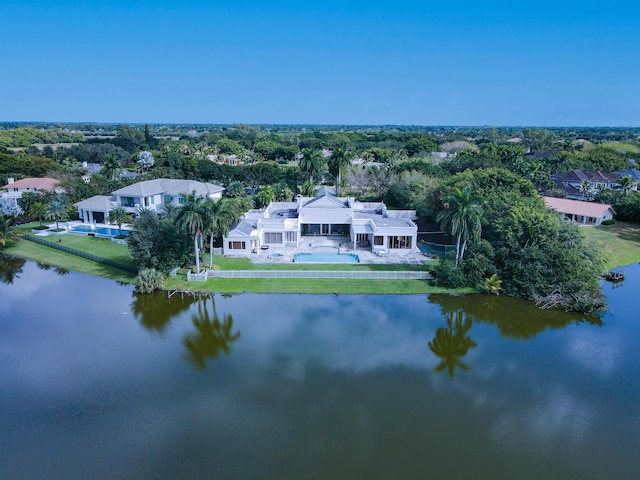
(96, 383)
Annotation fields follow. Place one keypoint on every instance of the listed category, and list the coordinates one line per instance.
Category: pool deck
(337, 245)
(74, 223)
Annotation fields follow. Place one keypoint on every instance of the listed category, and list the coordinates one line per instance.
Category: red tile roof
(47, 184)
(577, 207)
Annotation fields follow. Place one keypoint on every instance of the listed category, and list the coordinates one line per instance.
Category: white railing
(355, 274)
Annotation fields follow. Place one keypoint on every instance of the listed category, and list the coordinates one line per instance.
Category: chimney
(84, 164)
(10, 180)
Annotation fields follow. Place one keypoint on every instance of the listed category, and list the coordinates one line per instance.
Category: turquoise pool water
(100, 231)
(326, 258)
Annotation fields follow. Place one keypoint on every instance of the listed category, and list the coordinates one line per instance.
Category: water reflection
(10, 268)
(512, 317)
(155, 310)
(212, 336)
(452, 343)
(46, 267)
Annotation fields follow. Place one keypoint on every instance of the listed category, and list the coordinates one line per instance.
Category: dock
(612, 276)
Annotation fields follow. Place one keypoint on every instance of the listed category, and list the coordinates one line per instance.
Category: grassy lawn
(49, 256)
(621, 241)
(295, 285)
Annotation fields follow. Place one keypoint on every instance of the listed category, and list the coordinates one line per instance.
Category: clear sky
(542, 63)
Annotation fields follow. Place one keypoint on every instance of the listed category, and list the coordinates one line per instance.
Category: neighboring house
(570, 182)
(92, 168)
(150, 194)
(285, 224)
(13, 190)
(586, 213)
(634, 173)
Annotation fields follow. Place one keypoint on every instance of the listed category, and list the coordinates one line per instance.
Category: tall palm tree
(626, 183)
(8, 232)
(119, 216)
(340, 159)
(220, 216)
(235, 189)
(110, 166)
(312, 162)
(38, 211)
(452, 343)
(191, 219)
(585, 187)
(57, 210)
(461, 218)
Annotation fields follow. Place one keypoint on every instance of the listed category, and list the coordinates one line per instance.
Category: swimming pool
(326, 258)
(98, 231)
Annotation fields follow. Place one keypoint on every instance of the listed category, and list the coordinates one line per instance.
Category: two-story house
(150, 194)
(13, 190)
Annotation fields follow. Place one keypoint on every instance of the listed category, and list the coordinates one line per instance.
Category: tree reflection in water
(514, 318)
(212, 336)
(10, 268)
(155, 310)
(452, 343)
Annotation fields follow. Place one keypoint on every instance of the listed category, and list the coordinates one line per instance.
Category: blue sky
(352, 62)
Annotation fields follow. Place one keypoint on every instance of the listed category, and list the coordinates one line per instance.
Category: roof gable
(577, 207)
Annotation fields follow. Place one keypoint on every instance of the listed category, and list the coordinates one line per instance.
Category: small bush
(449, 276)
(609, 221)
(149, 279)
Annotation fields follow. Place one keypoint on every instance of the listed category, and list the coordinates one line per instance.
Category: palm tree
(212, 336)
(235, 189)
(110, 166)
(119, 216)
(585, 187)
(191, 218)
(340, 159)
(57, 210)
(461, 218)
(311, 162)
(626, 183)
(8, 232)
(220, 216)
(170, 211)
(452, 343)
(265, 196)
(493, 284)
(38, 211)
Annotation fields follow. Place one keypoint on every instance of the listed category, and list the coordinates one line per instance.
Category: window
(400, 241)
(168, 199)
(273, 237)
(128, 201)
(378, 240)
(181, 200)
(292, 236)
(236, 245)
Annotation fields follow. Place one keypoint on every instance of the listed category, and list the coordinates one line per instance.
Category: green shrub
(609, 221)
(449, 276)
(149, 279)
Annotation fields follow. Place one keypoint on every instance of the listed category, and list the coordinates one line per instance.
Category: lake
(99, 383)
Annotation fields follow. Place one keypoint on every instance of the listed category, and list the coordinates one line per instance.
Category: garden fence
(63, 248)
(335, 274)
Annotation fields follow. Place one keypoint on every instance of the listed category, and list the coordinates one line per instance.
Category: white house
(285, 224)
(585, 213)
(13, 190)
(150, 194)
